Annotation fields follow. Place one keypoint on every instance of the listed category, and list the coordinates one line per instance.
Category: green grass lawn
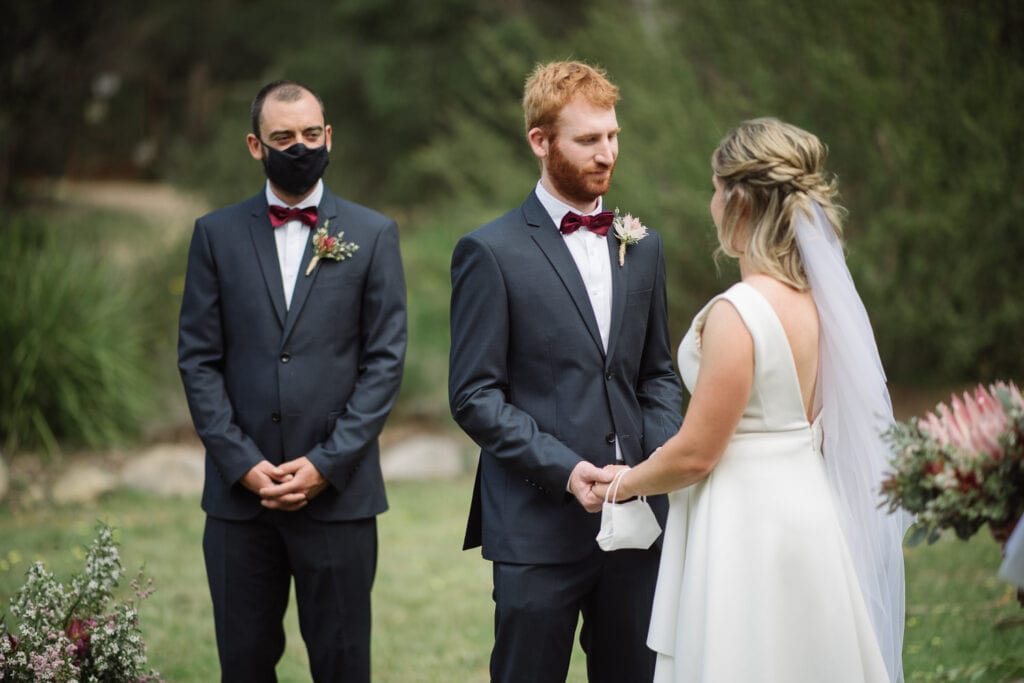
(432, 605)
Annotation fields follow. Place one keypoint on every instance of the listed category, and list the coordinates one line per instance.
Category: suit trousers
(537, 608)
(250, 564)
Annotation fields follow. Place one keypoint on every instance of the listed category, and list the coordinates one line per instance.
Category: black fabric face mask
(297, 168)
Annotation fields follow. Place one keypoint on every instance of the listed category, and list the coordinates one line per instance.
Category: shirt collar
(312, 200)
(556, 208)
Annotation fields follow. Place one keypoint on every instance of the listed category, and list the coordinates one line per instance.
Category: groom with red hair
(560, 364)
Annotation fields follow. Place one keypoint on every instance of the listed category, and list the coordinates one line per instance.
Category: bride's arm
(719, 398)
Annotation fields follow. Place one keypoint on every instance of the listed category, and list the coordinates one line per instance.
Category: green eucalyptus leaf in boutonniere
(325, 246)
(628, 230)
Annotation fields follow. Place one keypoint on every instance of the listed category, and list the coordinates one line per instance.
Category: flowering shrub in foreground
(67, 632)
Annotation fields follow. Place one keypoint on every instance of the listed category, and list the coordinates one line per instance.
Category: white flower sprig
(628, 230)
(76, 630)
(325, 246)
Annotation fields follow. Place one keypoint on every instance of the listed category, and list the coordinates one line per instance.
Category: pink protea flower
(974, 423)
(78, 633)
(629, 231)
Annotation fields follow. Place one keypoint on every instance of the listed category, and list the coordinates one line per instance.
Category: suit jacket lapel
(551, 242)
(328, 211)
(619, 281)
(266, 253)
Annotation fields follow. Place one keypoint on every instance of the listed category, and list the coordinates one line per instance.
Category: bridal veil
(856, 410)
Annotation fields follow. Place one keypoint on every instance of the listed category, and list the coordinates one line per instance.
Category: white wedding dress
(756, 582)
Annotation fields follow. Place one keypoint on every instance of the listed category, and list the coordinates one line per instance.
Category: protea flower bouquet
(961, 466)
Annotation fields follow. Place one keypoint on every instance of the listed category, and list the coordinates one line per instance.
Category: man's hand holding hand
(262, 475)
(601, 488)
(302, 482)
(581, 484)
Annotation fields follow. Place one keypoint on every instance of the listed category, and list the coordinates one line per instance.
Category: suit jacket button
(285, 357)
(275, 417)
(609, 437)
(609, 376)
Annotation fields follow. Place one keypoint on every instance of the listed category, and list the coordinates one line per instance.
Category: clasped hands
(288, 486)
(589, 483)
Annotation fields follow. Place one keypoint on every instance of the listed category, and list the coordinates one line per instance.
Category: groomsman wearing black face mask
(291, 344)
(294, 171)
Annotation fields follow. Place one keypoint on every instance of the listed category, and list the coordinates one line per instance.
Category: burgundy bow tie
(597, 224)
(280, 215)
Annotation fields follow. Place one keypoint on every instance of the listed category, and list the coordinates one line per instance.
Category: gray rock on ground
(83, 483)
(426, 457)
(178, 470)
(166, 470)
(173, 469)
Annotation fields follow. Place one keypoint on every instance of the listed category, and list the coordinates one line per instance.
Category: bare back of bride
(769, 571)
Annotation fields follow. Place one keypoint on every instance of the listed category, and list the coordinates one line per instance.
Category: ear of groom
(540, 141)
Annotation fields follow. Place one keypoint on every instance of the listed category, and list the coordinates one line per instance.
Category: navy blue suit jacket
(531, 383)
(316, 379)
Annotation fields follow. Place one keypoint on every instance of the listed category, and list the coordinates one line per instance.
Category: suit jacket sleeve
(383, 337)
(200, 361)
(658, 389)
(478, 374)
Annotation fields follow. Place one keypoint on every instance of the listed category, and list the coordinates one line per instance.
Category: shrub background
(919, 102)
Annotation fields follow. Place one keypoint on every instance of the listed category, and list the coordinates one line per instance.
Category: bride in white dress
(777, 564)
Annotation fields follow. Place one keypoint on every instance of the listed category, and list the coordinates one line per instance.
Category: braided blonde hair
(771, 170)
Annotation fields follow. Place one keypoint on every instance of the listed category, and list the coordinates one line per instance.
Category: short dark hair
(285, 91)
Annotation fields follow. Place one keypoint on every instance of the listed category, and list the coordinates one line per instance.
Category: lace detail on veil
(855, 411)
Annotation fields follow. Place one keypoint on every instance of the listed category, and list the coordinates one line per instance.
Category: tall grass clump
(72, 339)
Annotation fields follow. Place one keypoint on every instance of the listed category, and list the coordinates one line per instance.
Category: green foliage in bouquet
(962, 466)
(71, 632)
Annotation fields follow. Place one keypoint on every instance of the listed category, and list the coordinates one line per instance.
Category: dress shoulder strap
(774, 370)
(754, 309)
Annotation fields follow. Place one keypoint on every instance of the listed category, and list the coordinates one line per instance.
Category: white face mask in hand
(629, 525)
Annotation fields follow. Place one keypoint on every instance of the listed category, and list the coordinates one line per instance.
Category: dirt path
(151, 200)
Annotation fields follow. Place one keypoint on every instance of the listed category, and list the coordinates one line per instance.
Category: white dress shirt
(590, 252)
(291, 239)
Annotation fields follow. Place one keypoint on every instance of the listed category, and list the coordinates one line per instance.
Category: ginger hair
(552, 86)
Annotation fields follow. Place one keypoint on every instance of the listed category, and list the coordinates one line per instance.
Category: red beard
(572, 182)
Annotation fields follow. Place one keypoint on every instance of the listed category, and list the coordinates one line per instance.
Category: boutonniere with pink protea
(628, 230)
(325, 246)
